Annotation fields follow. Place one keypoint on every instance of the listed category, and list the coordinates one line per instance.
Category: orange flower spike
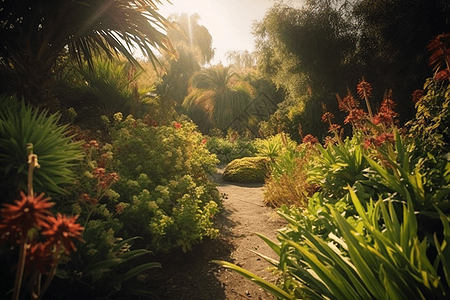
(365, 92)
(24, 214)
(61, 230)
(310, 139)
(327, 117)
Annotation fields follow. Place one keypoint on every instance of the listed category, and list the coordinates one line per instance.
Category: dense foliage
(164, 181)
(378, 227)
(36, 35)
(320, 49)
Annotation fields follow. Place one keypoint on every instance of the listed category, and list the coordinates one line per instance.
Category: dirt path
(191, 276)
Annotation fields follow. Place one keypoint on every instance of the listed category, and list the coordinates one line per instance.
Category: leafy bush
(247, 170)
(104, 264)
(21, 125)
(164, 180)
(227, 150)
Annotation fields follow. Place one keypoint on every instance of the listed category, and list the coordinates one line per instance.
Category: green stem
(20, 268)
(51, 273)
(368, 105)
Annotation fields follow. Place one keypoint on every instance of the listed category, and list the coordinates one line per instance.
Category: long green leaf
(274, 290)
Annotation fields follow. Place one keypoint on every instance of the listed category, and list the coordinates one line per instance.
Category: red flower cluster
(310, 139)
(442, 75)
(32, 212)
(364, 89)
(348, 103)
(386, 114)
(177, 125)
(24, 214)
(379, 140)
(105, 180)
(39, 257)
(327, 117)
(61, 230)
(355, 116)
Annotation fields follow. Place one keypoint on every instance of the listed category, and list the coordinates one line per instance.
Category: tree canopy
(216, 96)
(326, 46)
(189, 31)
(34, 34)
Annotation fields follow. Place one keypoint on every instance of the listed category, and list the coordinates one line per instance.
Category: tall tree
(194, 46)
(306, 51)
(189, 31)
(216, 97)
(393, 43)
(34, 34)
(241, 59)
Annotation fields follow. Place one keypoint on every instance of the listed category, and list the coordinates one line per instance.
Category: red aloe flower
(382, 138)
(38, 257)
(61, 230)
(364, 89)
(310, 139)
(327, 117)
(348, 103)
(355, 116)
(24, 214)
(99, 172)
(334, 128)
(386, 114)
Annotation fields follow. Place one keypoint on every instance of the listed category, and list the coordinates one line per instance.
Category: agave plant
(20, 125)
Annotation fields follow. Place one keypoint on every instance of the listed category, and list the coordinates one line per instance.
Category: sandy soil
(191, 276)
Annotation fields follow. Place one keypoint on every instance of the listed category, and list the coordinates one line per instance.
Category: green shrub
(164, 180)
(247, 170)
(227, 150)
(104, 265)
(21, 125)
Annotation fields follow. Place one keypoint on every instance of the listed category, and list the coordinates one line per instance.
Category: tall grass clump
(287, 183)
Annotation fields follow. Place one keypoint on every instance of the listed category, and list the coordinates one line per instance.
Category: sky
(228, 21)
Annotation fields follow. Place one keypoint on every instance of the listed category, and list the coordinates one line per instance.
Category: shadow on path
(191, 276)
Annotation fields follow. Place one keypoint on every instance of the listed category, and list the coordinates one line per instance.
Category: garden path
(191, 276)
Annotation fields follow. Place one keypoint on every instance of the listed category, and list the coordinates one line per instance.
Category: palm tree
(217, 96)
(36, 34)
